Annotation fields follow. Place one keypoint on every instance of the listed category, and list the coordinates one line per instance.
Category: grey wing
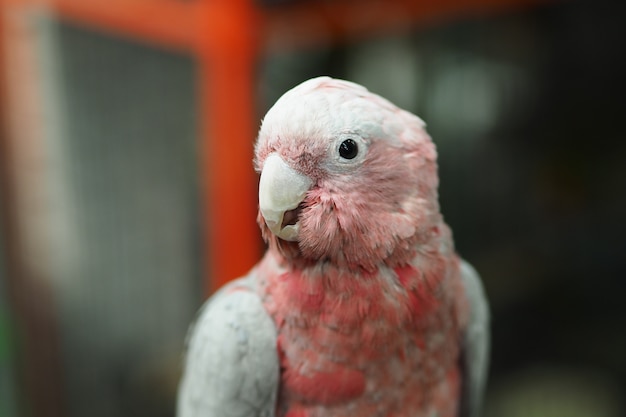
(231, 367)
(476, 344)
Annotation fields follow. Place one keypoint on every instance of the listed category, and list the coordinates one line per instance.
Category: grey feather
(476, 344)
(231, 367)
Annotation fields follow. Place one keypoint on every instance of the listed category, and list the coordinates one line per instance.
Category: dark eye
(348, 149)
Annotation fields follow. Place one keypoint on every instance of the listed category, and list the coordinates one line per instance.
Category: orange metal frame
(221, 36)
(226, 36)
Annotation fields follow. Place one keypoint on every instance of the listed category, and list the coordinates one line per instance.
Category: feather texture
(370, 311)
(232, 364)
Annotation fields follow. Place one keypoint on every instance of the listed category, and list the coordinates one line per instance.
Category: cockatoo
(360, 306)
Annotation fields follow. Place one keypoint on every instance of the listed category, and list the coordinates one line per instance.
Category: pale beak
(281, 190)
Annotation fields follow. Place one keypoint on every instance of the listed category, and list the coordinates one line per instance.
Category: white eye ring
(347, 151)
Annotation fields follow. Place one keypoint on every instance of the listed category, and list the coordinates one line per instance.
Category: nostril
(291, 216)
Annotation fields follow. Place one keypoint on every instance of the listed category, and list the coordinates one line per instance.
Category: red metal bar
(222, 35)
(167, 23)
(227, 53)
(38, 353)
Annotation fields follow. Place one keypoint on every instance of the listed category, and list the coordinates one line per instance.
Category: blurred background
(127, 192)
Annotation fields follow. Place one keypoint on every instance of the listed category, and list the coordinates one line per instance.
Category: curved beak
(281, 190)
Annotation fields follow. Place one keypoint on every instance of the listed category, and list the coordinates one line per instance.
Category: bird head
(346, 177)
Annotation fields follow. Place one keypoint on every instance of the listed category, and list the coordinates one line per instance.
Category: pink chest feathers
(383, 345)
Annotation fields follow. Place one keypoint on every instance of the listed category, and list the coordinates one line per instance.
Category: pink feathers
(365, 298)
(335, 385)
(364, 211)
